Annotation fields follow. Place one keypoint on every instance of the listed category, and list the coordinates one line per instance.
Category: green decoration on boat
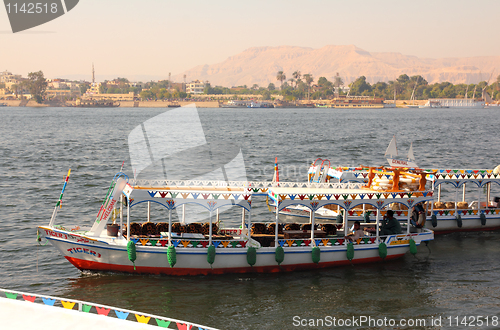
(367, 217)
(132, 255)
(382, 250)
(211, 254)
(171, 256)
(413, 247)
(86, 308)
(162, 323)
(251, 256)
(483, 219)
(459, 221)
(350, 251)
(316, 254)
(340, 218)
(279, 255)
(434, 220)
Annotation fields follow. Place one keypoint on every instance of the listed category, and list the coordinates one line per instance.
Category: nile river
(456, 275)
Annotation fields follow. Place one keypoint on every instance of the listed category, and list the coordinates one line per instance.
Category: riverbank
(167, 104)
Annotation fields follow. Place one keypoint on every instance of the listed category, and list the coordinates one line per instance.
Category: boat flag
(59, 202)
(276, 177)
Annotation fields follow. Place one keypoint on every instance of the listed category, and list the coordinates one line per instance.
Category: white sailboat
(392, 151)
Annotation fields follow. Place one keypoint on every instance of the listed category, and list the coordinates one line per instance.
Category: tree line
(416, 87)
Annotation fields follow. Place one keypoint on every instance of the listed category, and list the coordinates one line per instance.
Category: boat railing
(241, 243)
(255, 186)
(104, 310)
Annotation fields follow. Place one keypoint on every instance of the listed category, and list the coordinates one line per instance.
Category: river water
(456, 275)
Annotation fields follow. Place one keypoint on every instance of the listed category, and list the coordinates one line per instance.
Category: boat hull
(98, 255)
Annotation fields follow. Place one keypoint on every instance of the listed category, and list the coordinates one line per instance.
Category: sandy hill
(259, 65)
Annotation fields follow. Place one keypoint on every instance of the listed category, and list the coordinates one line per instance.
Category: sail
(410, 153)
(392, 149)
(487, 97)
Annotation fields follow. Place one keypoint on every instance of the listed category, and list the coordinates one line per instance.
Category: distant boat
(357, 102)
(459, 103)
(392, 151)
(236, 104)
(432, 104)
(96, 104)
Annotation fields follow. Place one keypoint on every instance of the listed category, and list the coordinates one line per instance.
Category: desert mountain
(259, 65)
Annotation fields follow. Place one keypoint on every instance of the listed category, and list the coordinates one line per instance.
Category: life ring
(408, 180)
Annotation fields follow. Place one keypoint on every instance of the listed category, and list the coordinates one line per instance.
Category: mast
(413, 93)
(93, 75)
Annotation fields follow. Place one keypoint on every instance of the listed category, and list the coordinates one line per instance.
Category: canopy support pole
(378, 224)
(346, 224)
(210, 230)
(439, 193)
(463, 193)
(313, 242)
(169, 227)
(479, 201)
(408, 223)
(128, 219)
(183, 219)
(121, 216)
(249, 223)
(149, 211)
(275, 228)
(488, 193)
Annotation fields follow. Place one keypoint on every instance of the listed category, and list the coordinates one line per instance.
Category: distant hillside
(259, 65)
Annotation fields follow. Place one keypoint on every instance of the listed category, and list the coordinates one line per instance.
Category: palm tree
(291, 80)
(281, 77)
(309, 79)
(297, 76)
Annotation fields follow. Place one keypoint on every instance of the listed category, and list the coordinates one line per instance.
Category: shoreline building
(195, 87)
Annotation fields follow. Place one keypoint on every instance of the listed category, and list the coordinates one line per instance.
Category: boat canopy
(458, 177)
(314, 198)
(171, 197)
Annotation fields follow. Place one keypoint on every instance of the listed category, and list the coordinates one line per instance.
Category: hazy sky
(151, 38)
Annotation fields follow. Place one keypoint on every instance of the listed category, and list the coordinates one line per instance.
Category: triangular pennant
(48, 301)
(86, 308)
(142, 318)
(102, 310)
(29, 298)
(163, 323)
(68, 304)
(11, 295)
(182, 326)
(121, 315)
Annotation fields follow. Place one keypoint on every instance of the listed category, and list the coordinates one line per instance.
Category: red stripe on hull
(98, 266)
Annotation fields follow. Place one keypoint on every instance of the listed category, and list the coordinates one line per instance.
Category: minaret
(93, 74)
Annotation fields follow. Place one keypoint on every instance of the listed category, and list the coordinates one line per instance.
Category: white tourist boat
(232, 250)
(475, 210)
(22, 310)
